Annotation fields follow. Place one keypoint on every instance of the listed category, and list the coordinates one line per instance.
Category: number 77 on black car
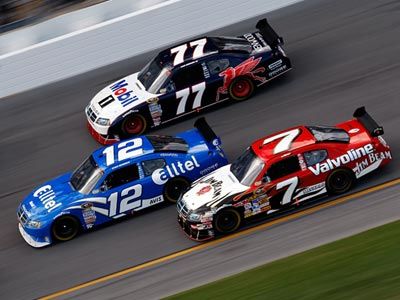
(185, 79)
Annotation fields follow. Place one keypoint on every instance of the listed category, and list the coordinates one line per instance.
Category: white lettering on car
(349, 156)
(47, 196)
(161, 176)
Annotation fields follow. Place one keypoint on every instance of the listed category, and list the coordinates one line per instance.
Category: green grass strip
(364, 266)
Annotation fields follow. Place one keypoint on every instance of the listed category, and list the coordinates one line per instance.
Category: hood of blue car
(50, 198)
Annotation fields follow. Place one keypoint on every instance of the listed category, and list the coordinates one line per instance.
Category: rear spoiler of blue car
(206, 131)
(268, 33)
(368, 122)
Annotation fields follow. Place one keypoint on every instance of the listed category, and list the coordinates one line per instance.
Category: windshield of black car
(86, 176)
(246, 167)
(168, 143)
(153, 76)
(228, 44)
(329, 134)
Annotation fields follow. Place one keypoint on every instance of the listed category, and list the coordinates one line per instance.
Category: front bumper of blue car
(34, 241)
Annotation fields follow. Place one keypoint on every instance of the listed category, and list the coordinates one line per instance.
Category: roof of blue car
(124, 152)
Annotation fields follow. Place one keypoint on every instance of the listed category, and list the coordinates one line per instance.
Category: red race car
(282, 170)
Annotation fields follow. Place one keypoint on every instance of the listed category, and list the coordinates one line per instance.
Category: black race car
(187, 78)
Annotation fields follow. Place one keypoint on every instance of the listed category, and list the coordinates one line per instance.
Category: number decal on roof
(180, 50)
(126, 150)
(184, 95)
(286, 140)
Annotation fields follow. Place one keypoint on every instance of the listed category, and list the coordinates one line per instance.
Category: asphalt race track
(345, 54)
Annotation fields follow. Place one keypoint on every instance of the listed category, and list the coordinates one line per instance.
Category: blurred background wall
(17, 13)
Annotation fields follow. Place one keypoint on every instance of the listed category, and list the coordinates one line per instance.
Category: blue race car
(118, 180)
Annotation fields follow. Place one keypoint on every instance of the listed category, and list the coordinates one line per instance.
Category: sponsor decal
(344, 159)
(253, 42)
(302, 163)
(161, 176)
(122, 94)
(204, 190)
(245, 68)
(47, 196)
(88, 214)
(261, 39)
(275, 64)
(372, 158)
(156, 200)
(205, 70)
(209, 169)
(354, 130)
(216, 184)
(277, 71)
(155, 110)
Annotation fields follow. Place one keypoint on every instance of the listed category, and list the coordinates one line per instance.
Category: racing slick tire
(227, 220)
(340, 181)
(134, 124)
(174, 188)
(65, 228)
(241, 88)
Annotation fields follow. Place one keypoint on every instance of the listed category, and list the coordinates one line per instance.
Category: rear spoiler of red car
(206, 131)
(368, 122)
(269, 34)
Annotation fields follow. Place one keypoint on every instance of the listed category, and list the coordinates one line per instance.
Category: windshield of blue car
(168, 143)
(247, 167)
(85, 177)
(230, 43)
(153, 76)
(329, 134)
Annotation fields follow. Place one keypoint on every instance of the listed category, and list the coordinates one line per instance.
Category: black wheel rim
(175, 189)
(341, 181)
(227, 221)
(65, 229)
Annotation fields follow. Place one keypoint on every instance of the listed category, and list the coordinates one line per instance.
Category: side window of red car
(315, 156)
(283, 168)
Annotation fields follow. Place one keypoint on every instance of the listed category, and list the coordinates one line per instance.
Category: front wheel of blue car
(65, 228)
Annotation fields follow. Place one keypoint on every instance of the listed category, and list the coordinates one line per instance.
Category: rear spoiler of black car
(269, 34)
(205, 130)
(366, 120)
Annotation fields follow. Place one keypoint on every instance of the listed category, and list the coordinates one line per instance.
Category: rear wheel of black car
(174, 188)
(241, 88)
(340, 181)
(227, 220)
(65, 228)
(134, 124)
